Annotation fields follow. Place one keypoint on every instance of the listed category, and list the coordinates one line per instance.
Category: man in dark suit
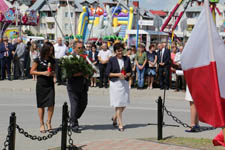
(6, 57)
(77, 89)
(164, 66)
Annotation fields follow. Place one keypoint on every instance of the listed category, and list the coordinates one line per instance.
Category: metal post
(160, 118)
(64, 126)
(137, 34)
(12, 135)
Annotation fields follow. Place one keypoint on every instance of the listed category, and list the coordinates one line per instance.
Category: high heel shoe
(49, 126)
(121, 129)
(114, 122)
(42, 128)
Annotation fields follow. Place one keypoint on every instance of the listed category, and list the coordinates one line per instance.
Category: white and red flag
(203, 63)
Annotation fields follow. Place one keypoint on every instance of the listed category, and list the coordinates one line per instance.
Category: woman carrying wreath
(44, 68)
(119, 70)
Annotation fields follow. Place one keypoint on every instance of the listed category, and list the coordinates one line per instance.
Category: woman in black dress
(44, 67)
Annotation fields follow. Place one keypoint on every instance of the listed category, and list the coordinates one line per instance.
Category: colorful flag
(203, 62)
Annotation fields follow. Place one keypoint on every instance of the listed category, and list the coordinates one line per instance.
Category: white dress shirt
(60, 50)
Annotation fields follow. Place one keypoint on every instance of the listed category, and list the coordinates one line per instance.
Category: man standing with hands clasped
(77, 89)
(164, 66)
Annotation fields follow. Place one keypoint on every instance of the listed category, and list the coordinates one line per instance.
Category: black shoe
(114, 123)
(194, 129)
(100, 86)
(59, 83)
(76, 129)
(106, 86)
(9, 79)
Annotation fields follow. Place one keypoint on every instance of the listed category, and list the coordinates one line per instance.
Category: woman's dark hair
(128, 49)
(67, 43)
(117, 46)
(45, 50)
(93, 45)
(151, 46)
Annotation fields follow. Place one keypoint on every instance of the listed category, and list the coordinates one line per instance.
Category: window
(71, 14)
(190, 27)
(51, 36)
(66, 26)
(43, 25)
(51, 25)
(66, 14)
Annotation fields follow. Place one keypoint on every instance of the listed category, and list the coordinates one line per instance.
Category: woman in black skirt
(44, 67)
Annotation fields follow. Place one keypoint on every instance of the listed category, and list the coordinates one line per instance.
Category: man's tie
(161, 56)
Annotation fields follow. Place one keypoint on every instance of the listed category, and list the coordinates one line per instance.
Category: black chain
(6, 143)
(39, 138)
(169, 113)
(69, 129)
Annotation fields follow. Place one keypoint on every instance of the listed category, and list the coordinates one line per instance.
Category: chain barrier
(6, 143)
(185, 125)
(71, 146)
(39, 138)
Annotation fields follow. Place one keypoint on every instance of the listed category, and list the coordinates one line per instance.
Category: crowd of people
(152, 67)
(120, 68)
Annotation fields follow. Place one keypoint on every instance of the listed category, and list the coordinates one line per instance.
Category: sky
(161, 4)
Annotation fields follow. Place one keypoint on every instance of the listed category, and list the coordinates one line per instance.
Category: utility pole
(137, 20)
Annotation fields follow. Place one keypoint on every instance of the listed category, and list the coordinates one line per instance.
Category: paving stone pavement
(19, 96)
(130, 144)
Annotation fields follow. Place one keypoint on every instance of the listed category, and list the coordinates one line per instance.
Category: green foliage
(40, 34)
(28, 32)
(75, 64)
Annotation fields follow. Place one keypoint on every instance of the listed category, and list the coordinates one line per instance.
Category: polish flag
(203, 63)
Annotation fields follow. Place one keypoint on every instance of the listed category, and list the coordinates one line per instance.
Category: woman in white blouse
(119, 70)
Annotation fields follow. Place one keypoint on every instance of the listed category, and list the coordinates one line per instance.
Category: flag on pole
(203, 63)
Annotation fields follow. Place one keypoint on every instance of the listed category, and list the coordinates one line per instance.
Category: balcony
(49, 19)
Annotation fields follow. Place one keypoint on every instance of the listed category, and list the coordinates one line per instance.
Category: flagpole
(71, 26)
(211, 45)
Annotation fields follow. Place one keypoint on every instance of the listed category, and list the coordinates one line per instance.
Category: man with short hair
(19, 58)
(60, 51)
(163, 60)
(77, 89)
(103, 57)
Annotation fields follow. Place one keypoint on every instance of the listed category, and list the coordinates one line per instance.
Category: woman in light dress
(119, 70)
(194, 114)
(34, 53)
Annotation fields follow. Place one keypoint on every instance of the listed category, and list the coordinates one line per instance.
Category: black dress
(45, 89)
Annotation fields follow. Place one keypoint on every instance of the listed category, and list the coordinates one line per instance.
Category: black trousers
(180, 83)
(78, 101)
(6, 64)
(103, 77)
(58, 71)
(164, 74)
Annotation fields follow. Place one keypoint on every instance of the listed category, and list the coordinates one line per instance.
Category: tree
(28, 32)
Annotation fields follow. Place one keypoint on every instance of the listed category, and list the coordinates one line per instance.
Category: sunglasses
(80, 48)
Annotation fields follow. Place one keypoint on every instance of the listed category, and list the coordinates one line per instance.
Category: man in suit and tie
(164, 66)
(6, 57)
